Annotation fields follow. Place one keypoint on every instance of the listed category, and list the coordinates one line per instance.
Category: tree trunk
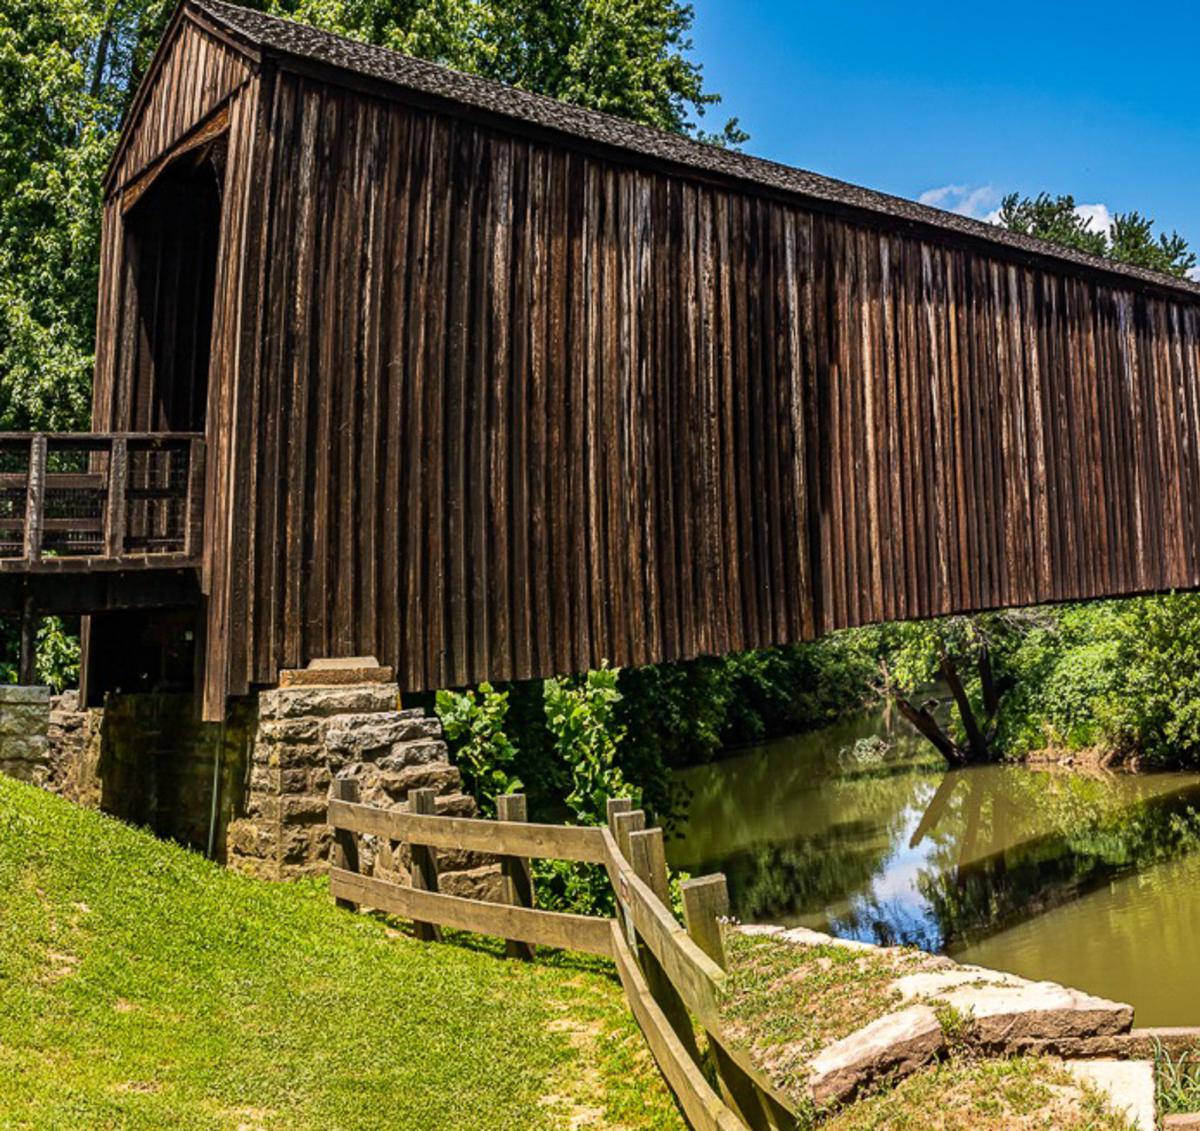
(928, 727)
(976, 743)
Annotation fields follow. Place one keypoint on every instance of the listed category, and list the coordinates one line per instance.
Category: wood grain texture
(491, 403)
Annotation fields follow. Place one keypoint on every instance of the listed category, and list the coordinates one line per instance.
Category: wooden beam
(517, 875)
(344, 856)
(35, 492)
(423, 802)
(697, 977)
(705, 904)
(542, 842)
(584, 933)
(701, 1105)
(114, 509)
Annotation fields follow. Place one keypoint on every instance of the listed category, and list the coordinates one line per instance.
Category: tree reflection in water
(900, 852)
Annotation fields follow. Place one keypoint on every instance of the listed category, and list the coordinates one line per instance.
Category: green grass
(784, 1002)
(141, 986)
(1177, 1080)
(966, 1094)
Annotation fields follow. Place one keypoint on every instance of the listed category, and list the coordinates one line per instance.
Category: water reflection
(1002, 865)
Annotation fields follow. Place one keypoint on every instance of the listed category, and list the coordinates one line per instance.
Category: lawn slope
(141, 986)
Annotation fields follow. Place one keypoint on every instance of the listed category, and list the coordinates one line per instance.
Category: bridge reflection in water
(1090, 879)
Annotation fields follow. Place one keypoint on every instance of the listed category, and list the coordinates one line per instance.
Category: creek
(1082, 877)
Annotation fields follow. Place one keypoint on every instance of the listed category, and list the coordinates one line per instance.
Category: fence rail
(673, 977)
(73, 501)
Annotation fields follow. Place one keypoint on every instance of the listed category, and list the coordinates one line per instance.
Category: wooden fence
(673, 977)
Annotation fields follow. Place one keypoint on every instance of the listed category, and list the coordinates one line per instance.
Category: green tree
(626, 57)
(69, 68)
(1130, 240)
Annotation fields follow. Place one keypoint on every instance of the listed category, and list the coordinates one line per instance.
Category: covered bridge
(490, 386)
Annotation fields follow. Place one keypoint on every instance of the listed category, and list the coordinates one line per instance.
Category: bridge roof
(296, 41)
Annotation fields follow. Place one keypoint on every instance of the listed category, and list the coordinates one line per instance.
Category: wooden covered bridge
(396, 361)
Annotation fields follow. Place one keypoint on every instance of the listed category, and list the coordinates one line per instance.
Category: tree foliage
(1130, 240)
(626, 57)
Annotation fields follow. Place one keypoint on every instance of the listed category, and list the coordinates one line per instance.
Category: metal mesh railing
(91, 495)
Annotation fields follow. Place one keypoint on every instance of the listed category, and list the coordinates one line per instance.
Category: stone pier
(343, 719)
(24, 733)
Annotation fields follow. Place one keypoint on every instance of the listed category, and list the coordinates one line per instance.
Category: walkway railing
(673, 977)
(74, 501)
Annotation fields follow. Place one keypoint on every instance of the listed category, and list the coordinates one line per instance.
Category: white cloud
(979, 201)
(1098, 216)
(982, 202)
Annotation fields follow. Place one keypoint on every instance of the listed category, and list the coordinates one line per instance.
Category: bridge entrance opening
(172, 233)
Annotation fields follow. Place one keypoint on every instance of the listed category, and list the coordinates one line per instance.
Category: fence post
(35, 492)
(424, 860)
(705, 902)
(616, 805)
(517, 875)
(648, 859)
(345, 841)
(623, 824)
(114, 510)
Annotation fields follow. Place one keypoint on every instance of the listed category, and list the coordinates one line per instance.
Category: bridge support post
(27, 671)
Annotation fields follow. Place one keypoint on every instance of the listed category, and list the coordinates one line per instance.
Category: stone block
(441, 776)
(34, 773)
(455, 805)
(1000, 1014)
(414, 754)
(294, 780)
(1126, 1085)
(302, 809)
(289, 731)
(323, 702)
(263, 807)
(893, 1046)
(248, 838)
(484, 883)
(11, 694)
(361, 736)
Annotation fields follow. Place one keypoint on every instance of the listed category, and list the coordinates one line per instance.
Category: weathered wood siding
(521, 407)
(195, 74)
(487, 400)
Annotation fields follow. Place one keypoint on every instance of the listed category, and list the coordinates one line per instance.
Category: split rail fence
(673, 977)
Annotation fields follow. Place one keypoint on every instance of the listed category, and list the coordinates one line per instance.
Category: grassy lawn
(141, 986)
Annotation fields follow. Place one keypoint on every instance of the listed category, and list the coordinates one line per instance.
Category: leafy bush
(474, 725)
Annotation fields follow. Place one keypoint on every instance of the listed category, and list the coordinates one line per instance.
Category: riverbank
(890, 1037)
(142, 986)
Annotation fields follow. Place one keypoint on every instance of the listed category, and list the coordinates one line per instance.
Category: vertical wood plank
(35, 495)
(516, 872)
(344, 853)
(115, 500)
(424, 861)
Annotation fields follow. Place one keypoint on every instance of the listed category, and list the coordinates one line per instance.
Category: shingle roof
(289, 38)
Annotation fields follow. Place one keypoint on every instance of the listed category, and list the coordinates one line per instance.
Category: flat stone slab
(1000, 1014)
(1182, 1121)
(896, 1044)
(937, 983)
(1127, 1085)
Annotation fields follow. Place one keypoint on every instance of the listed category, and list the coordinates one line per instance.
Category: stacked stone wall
(24, 730)
(147, 759)
(308, 735)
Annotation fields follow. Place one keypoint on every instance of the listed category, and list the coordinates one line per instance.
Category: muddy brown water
(1091, 879)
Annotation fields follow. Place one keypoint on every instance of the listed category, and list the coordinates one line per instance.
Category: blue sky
(961, 103)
